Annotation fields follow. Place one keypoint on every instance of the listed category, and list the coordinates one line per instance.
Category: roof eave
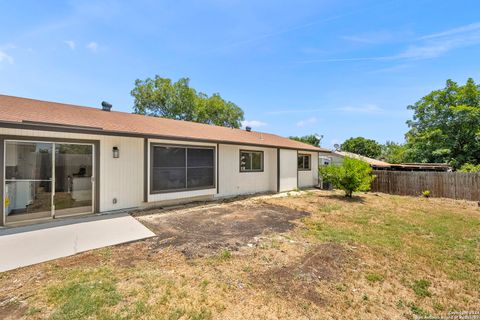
(31, 125)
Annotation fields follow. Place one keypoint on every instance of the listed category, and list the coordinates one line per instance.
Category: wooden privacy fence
(456, 185)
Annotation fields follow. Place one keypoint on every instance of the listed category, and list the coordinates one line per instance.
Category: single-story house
(59, 160)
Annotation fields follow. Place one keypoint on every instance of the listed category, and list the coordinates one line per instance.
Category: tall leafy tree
(160, 97)
(446, 125)
(313, 139)
(393, 152)
(360, 145)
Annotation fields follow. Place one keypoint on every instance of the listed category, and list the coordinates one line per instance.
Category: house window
(304, 162)
(181, 168)
(251, 161)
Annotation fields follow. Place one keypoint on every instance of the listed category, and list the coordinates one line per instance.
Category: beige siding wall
(309, 178)
(123, 178)
(234, 182)
(167, 197)
(288, 169)
(120, 178)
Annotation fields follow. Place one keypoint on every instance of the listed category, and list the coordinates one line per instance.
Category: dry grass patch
(310, 255)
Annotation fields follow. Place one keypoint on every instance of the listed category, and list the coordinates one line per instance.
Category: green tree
(160, 97)
(446, 125)
(351, 176)
(362, 146)
(393, 152)
(313, 139)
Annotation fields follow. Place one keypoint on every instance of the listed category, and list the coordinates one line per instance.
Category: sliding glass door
(28, 180)
(46, 179)
(73, 179)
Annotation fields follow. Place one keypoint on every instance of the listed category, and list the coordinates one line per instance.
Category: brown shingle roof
(29, 111)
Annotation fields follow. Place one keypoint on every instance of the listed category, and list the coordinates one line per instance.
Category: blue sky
(336, 68)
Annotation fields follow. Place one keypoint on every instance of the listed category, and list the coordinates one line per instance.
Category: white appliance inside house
(81, 188)
(19, 196)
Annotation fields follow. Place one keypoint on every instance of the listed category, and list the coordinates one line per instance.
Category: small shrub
(426, 193)
(420, 287)
(351, 176)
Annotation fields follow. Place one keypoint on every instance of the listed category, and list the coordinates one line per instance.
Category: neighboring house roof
(423, 166)
(30, 112)
(371, 161)
(395, 166)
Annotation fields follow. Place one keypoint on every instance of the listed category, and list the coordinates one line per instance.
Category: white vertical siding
(120, 178)
(233, 182)
(288, 169)
(123, 178)
(309, 178)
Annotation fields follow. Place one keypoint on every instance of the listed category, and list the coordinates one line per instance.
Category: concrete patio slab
(24, 246)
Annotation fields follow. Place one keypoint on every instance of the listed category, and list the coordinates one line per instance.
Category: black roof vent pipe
(106, 106)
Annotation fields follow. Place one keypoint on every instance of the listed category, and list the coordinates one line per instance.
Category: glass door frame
(53, 141)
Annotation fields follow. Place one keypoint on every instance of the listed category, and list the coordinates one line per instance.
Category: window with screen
(181, 168)
(303, 162)
(251, 161)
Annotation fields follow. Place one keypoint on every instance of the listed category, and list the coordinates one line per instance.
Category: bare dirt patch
(12, 311)
(204, 231)
(300, 279)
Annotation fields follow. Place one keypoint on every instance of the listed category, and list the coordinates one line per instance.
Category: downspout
(278, 170)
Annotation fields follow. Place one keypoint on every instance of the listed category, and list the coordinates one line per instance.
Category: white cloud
(426, 47)
(5, 57)
(371, 38)
(287, 111)
(369, 108)
(92, 46)
(71, 44)
(306, 122)
(347, 59)
(392, 68)
(253, 124)
(462, 29)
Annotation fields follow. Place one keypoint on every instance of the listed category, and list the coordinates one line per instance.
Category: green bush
(469, 167)
(426, 193)
(351, 176)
